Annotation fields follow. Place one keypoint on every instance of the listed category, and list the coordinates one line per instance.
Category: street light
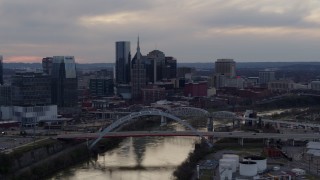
(310, 159)
(317, 166)
(198, 171)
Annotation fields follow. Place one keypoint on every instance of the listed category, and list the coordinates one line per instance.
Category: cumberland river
(135, 159)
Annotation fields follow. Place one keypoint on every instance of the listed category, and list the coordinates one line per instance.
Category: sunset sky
(190, 30)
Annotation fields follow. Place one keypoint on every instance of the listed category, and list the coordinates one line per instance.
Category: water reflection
(135, 159)
(139, 148)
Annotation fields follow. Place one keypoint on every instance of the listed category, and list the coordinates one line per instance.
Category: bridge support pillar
(210, 139)
(235, 123)
(278, 125)
(210, 124)
(240, 140)
(253, 123)
(260, 122)
(163, 121)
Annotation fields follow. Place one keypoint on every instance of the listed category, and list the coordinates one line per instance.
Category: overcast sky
(190, 30)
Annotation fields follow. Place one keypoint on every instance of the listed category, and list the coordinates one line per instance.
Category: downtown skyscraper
(123, 65)
(64, 81)
(138, 74)
(1, 70)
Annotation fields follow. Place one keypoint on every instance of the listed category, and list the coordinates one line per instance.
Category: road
(288, 122)
(244, 135)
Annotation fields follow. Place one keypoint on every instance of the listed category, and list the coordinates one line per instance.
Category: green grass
(310, 177)
(33, 145)
(206, 174)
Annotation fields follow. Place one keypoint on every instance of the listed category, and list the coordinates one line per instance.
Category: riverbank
(187, 170)
(42, 159)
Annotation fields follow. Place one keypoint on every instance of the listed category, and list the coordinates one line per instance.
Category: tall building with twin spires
(150, 69)
(138, 74)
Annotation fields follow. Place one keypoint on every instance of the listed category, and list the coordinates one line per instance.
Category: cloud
(188, 30)
(313, 17)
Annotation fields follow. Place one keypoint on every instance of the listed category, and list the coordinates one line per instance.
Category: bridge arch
(188, 111)
(133, 115)
(223, 115)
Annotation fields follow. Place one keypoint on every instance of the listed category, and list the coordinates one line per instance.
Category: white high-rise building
(266, 76)
(226, 67)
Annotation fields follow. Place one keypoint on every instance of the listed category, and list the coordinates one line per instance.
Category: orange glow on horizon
(34, 59)
(22, 59)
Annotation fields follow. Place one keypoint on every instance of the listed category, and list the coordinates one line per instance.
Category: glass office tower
(64, 81)
(123, 57)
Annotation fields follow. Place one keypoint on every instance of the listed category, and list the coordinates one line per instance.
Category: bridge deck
(245, 135)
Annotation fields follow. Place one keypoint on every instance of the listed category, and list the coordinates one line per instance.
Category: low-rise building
(266, 76)
(198, 89)
(281, 85)
(31, 88)
(29, 115)
(315, 85)
(286, 85)
(152, 94)
(5, 95)
(101, 87)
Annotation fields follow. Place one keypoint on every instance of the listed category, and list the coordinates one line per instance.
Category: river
(135, 159)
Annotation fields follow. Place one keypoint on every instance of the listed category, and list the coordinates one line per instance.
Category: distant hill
(256, 65)
(208, 65)
(274, 64)
(39, 66)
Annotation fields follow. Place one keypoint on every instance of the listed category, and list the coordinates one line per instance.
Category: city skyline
(246, 31)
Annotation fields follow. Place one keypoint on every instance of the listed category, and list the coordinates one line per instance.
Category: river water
(140, 158)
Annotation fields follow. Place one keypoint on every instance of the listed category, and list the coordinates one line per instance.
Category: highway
(244, 135)
(287, 122)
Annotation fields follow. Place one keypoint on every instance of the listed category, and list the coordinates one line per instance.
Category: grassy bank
(71, 154)
(187, 169)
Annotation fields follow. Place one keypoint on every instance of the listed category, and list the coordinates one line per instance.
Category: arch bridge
(134, 115)
(173, 114)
